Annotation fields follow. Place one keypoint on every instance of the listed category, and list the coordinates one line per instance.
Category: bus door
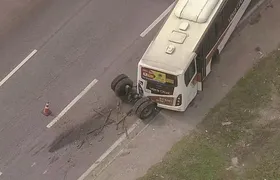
(190, 82)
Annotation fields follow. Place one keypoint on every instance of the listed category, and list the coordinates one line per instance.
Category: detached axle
(143, 107)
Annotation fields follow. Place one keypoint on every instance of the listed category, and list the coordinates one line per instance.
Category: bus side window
(190, 72)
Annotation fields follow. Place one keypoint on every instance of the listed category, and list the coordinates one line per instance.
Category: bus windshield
(159, 82)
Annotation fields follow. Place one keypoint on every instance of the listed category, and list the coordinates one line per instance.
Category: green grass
(207, 152)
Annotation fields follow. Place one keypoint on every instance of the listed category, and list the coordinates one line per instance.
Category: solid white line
(18, 67)
(146, 31)
(72, 103)
(106, 153)
(115, 157)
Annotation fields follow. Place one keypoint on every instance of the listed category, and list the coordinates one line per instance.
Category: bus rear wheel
(144, 108)
(123, 87)
(117, 80)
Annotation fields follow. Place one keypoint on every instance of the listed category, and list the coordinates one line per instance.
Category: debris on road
(100, 129)
(81, 144)
(124, 127)
(125, 153)
(45, 172)
(101, 139)
(102, 114)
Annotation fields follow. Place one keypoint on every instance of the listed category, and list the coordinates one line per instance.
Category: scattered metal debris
(121, 119)
(100, 129)
(101, 139)
(81, 144)
(129, 113)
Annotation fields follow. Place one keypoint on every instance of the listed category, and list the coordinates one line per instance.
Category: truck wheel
(145, 110)
(116, 80)
(139, 102)
(120, 88)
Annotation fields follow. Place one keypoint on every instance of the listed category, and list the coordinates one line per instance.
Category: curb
(254, 9)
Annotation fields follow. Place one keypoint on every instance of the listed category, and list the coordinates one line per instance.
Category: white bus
(173, 68)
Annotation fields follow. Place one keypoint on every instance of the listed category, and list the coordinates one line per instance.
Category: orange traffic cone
(46, 111)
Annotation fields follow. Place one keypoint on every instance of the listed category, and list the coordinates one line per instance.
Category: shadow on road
(90, 129)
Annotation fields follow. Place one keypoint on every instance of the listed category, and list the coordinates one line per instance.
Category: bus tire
(117, 80)
(146, 110)
(120, 88)
(138, 103)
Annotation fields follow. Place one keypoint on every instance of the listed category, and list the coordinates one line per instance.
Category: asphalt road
(77, 41)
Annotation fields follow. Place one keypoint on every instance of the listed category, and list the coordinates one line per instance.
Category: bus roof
(174, 47)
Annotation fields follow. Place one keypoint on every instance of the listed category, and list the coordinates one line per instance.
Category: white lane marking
(45, 172)
(146, 31)
(33, 164)
(1, 173)
(18, 67)
(115, 157)
(72, 103)
(106, 153)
